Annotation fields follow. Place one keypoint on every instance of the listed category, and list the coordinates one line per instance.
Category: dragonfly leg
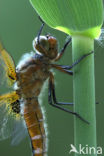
(53, 102)
(52, 92)
(63, 50)
(40, 31)
(66, 69)
(62, 69)
(77, 61)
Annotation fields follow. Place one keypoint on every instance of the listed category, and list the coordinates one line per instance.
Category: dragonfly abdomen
(35, 125)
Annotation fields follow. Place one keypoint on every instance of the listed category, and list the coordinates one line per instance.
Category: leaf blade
(74, 15)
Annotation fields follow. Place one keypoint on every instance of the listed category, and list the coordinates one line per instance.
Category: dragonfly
(20, 108)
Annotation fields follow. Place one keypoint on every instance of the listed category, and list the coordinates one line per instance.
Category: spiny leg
(52, 91)
(66, 69)
(40, 31)
(69, 72)
(40, 19)
(63, 50)
(62, 69)
(76, 62)
(52, 98)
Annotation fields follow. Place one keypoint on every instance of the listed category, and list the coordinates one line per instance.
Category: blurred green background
(19, 24)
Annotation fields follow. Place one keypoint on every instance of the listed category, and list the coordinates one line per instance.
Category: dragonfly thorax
(31, 75)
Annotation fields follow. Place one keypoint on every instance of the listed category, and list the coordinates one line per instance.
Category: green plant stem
(84, 94)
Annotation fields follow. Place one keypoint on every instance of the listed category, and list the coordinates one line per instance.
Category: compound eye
(43, 42)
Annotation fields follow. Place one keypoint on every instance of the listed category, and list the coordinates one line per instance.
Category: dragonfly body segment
(35, 124)
(30, 79)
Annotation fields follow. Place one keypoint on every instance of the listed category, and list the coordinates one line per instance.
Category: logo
(85, 150)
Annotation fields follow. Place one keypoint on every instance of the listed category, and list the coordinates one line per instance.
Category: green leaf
(82, 17)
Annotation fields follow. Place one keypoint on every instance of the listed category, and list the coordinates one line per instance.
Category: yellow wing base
(11, 100)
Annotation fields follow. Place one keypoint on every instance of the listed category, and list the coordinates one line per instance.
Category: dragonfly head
(46, 45)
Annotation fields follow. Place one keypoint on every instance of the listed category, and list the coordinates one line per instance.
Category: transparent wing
(19, 132)
(3, 77)
(5, 124)
(11, 123)
(6, 116)
(7, 63)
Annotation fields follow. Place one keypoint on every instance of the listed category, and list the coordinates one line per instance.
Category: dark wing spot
(11, 77)
(16, 106)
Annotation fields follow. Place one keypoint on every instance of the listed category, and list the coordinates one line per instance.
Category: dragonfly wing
(6, 115)
(5, 124)
(6, 61)
(11, 124)
(3, 78)
(10, 127)
(19, 132)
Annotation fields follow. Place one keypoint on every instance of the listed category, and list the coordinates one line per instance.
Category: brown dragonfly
(27, 79)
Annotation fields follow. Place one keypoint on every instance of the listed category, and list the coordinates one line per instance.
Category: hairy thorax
(31, 75)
